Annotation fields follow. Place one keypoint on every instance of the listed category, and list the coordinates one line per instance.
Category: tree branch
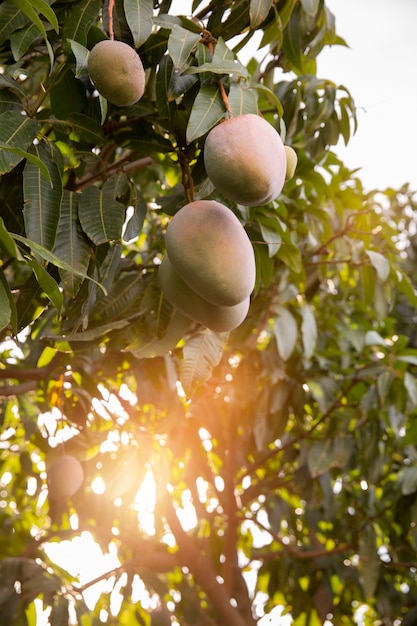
(204, 573)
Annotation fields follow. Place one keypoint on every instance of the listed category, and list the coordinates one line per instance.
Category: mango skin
(117, 72)
(245, 160)
(193, 306)
(65, 477)
(292, 160)
(210, 250)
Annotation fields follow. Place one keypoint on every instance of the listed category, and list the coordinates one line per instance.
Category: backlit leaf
(201, 354)
(285, 331)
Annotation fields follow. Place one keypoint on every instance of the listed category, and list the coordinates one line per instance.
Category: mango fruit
(210, 250)
(116, 71)
(292, 160)
(193, 306)
(65, 477)
(244, 158)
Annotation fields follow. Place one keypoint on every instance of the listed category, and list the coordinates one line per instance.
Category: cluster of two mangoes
(209, 270)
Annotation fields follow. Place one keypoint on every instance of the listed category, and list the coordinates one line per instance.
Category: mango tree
(234, 475)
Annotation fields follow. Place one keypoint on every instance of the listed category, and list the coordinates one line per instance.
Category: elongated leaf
(71, 245)
(320, 457)
(258, 11)
(27, 7)
(219, 67)
(7, 243)
(5, 308)
(43, 8)
(22, 39)
(380, 263)
(201, 354)
(48, 256)
(208, 109)
(81, 57)
(147, 347)
(310, 6)
(308, 331)
(123, 294)
(23, 154)
(92, 334)
(47, 283)
(369, 562)
(16, 134)
(83, 14)
(139, 15)
(42, 199)
(291, 44)
(285, 331)
(135, 223)
(242, 100)
(11, 18)
(100, 215)
(181, 43)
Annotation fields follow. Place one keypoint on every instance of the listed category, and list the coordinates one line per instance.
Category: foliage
(281, 456)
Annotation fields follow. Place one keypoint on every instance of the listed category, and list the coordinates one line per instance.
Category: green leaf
(408, 480)
(271, 96)
(285, 331)
(11, 19)
(223, 61)
(86, 129)
(22, 154)
(201, 353)
(320, 457)
(380, 263)
(101, 216)
(5, 308)
(81, 57)
(42, 198)
(7, 243)
(47, 283)
(146, 347)
(16, 134)
(26, 6)
(71, 247)
(82, 15)
(136, 221)
(258, 11)
(42, 7)
(242, 100)
(139, 16)
(410, 383)
(308, 331)
(369, 562)
(21, 40)
(310, 6)
(291, 44)
(181, 43)
(208, 109)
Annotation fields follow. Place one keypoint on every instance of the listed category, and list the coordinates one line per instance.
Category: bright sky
(379, 71)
